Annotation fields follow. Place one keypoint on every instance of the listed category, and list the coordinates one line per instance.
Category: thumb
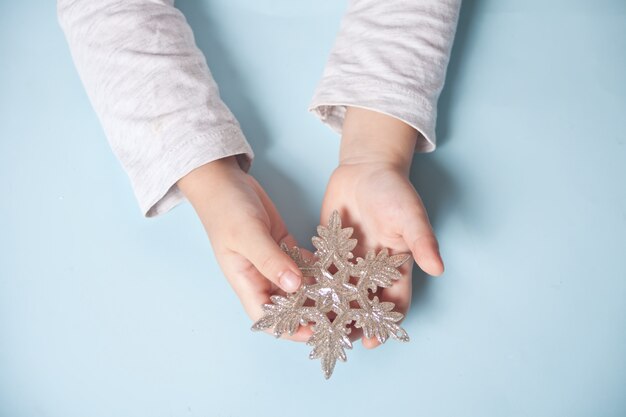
(267, 257)
(418, 235)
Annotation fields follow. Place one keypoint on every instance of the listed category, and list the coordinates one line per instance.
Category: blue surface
(104, 313)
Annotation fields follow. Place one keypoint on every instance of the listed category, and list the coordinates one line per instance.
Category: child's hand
(245, 230)
(372, 192)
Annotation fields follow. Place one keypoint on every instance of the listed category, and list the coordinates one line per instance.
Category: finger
(425, 249)
(355, 334)
(288, 240)
(370, 343)
(278, 229)
(418, 235)
(272, 262)
(267, 257)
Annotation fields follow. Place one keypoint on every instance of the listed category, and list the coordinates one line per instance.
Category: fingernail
(289, 281)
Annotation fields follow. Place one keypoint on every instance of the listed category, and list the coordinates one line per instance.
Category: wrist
(376, 138)
(208, 176)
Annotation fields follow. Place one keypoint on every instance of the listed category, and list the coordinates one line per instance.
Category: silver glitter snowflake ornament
(332, 296)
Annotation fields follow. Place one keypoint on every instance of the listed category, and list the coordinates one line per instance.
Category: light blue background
(104, 313)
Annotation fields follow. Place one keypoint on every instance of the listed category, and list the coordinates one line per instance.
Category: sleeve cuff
(332, 96)
(155, 187)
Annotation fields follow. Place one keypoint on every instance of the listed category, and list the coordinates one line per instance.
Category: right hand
(245, 231)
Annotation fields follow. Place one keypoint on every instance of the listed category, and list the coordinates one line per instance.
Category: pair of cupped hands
(371, 189)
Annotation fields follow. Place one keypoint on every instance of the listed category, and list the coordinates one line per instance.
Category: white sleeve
(153, 93)
(390, 56)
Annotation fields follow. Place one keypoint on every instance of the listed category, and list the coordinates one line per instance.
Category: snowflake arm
(378, 320)
(329, 341)
(334, 244)
(284, 314)
(378, 270)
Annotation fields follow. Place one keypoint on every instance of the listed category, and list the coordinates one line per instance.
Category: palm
(379, 203)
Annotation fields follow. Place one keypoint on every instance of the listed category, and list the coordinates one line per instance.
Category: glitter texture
(334, 294)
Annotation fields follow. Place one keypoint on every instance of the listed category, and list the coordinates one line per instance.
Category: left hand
(372, 191)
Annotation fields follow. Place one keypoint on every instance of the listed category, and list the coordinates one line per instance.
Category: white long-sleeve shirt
(161, 109)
